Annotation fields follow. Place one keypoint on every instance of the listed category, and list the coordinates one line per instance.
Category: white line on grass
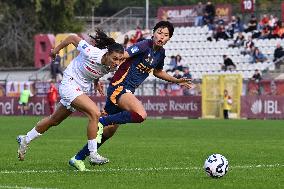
(21, 187)
(139, 169)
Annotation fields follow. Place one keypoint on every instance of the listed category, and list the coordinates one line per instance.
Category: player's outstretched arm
(71, 39)
(99, 87)
(126, 55)
(165, 76)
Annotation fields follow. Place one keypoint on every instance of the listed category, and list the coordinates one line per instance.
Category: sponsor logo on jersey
(84, 46)
(93, 71)
(134, 49)
(128, 91)
(149, 59)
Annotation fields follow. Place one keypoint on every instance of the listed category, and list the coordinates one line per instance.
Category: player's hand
(103, 113)
(186, 83)
(99, 88)
(52, 53)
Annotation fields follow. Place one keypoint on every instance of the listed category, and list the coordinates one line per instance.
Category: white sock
(92, 145)
(31, 135)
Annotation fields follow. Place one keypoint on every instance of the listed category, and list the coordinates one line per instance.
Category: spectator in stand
(186, 74)
(265, 33)
(220, 21)
(249, 46)
(52, 96)
(177, 74)
(180, 63)
(24, 99)
(272, 21)
(220, 33)
(132, 40)
(256, 76)
(126, 41)
(173, 64)
(252, 25)
(278, 52)
(235, 26)
(280, 32)
(199, 9)
(239, 41)
(257, 56)
(209, 14)
(138, 34)
(276, 29)
(263, 22)
(228, 64)
(174, 87)
(55, 67)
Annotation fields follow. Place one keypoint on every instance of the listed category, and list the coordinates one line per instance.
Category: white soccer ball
(216, 165)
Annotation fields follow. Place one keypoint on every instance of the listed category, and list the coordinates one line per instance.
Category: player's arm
(136, 49)
(165, 76)
(71, 39)
(99, 87)
(126, 55)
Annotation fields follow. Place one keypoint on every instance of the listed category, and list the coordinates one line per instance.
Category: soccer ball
(216, 165)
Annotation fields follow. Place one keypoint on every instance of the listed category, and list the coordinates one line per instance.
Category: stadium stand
(205, 57)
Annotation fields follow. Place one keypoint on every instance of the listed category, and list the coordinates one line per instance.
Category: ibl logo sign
(268, 107)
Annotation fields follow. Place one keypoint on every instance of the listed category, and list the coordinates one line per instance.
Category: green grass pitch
(155, 154)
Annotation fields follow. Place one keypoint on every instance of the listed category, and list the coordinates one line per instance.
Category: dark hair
(178, 57)
(116, 47)
(102, 41)
(165, 24)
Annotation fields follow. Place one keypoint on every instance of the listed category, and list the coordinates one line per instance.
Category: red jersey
(52, 93)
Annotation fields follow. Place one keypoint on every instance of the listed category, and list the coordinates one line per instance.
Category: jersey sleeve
(138, 48)
(85, 48)
(161, 63)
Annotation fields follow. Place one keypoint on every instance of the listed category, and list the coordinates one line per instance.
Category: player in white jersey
(92, 63)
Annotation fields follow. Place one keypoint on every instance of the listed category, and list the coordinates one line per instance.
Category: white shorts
(69, 90)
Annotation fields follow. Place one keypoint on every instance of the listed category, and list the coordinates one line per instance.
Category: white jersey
(86, 67)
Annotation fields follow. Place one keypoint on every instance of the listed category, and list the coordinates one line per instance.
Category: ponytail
(102, 41)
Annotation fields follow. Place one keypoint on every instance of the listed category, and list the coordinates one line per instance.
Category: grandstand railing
(123, 21)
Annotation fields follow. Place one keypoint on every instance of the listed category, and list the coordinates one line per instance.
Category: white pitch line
(21, 187)
(138, 169)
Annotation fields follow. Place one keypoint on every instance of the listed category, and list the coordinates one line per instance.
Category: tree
(21, 20)
(17, 30)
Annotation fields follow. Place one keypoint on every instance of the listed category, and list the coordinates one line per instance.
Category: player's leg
(134, 111)
(226, 114)
(56, 118)
(85, 105)
(107, 134)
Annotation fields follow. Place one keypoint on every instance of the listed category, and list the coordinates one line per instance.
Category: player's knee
(144, 115)
(138, 117)
(94, 114)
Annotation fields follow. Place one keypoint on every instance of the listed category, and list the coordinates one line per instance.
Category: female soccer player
(122, 106)
(91, 64)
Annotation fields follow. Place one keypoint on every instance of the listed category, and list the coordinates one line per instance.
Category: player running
(91, 64)
(121, 105)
